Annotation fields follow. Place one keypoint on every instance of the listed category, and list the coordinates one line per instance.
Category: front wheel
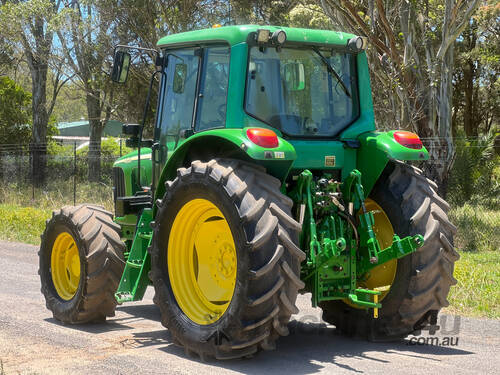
(406, 202)
(224, 259)
(81, 262)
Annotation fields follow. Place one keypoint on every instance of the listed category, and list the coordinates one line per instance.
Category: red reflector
(408, 139)
(263, 137)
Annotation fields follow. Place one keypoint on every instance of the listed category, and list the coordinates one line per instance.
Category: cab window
(212, 97)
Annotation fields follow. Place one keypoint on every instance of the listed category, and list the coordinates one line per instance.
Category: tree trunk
(95, 133)
(442, 151)
(40, 122)
(468, 94)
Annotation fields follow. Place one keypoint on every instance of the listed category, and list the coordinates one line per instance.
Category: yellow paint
(65, 266)
(375, 310)
(202, 261)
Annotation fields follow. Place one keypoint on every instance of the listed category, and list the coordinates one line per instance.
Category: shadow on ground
(308, 348)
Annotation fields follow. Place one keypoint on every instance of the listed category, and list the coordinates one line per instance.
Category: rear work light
(263, 137)
(408, 139)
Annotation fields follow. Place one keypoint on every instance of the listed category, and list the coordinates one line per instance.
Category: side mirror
(131, 130)
(295, 78)
(179, 78)
(121, 64)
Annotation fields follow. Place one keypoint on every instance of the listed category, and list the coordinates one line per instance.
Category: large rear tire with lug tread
(81, 263)
(234, 227)
(423, 279)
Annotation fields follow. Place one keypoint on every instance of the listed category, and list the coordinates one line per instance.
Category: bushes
(478, 227)
(61, 159)
(22, 224)
(475, 176)
(476, 294)
(474, 194)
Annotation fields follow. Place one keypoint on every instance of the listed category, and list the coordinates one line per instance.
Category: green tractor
(265, 177)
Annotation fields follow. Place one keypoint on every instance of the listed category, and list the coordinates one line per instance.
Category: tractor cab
(302, 88)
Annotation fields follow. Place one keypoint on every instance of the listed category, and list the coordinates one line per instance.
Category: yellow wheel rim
(202, 261)
(381, 277)
(65, 266)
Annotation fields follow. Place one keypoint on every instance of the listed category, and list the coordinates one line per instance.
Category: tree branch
(394, 53)
(455, 28)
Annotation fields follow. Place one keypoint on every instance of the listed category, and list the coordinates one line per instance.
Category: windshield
(294, 91)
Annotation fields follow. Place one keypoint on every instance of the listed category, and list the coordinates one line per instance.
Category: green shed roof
(237, 34)
(112, 128)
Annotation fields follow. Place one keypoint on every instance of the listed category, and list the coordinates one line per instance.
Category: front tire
(264, 236)
(81, 263)
(423, 279)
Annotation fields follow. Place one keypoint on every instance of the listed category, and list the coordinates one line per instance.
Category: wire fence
(473, 193)
(65, 175)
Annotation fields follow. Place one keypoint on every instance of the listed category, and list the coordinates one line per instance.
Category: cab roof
(239, 33)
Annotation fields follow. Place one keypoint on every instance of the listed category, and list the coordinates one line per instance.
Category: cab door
(176, 104)
(193, 98)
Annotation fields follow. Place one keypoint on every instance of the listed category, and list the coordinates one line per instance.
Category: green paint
(375, 152)
(335, 261)
(128, 163)
(277, 160)
(356, 158)
(135, 279)
(238, 34)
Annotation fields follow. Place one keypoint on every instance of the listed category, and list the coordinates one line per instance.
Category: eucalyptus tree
(411, 55)
(85, 34)
(26, 25)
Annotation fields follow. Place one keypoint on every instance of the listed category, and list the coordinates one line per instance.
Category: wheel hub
(202, 261)
(65, 266)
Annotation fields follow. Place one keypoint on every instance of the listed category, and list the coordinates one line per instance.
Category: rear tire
(268, 259)
(100, 256)
(423, 279)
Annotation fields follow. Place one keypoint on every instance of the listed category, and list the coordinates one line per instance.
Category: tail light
(408, 139)
(263, 137)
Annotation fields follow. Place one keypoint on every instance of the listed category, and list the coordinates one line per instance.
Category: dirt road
(134, 342)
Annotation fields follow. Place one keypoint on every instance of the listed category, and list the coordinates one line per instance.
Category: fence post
(74, 173)
(32, 170)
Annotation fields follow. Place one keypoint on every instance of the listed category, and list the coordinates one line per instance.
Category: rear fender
(376, 150)
(227, 143)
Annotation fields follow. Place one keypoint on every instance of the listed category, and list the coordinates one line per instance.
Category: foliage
(62, 158)
(309, 16)
(26, 25)
(477, 227)
(411, 62)
(276, 12)
(476, 172)
(476, 293)
(22, 224)
(476, 78)
(70, 104)
(110, 149)
(23, 219)
(15, 113)
(57, 194)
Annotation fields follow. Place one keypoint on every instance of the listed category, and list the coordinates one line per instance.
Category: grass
(478, 227)
(478, 239)
(22, 224)
(23, 218)
(477, 291)
(57, 195)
